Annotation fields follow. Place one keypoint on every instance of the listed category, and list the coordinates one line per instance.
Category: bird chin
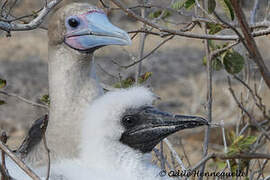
(89, 50)
(88, 43)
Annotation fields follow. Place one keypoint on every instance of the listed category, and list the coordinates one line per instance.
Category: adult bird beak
(95, 31)
(156, 125)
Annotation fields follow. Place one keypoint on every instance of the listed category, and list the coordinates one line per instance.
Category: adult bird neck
(73, 85)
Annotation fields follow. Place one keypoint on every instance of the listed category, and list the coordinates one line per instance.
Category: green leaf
(237, 140)
(227, 7)
(246, 142)
(157, 13)
(45, 99)
(144, 77)
(189, 4)
(211, 6)
(178, 5)
(3, 83)
(214, 28)
(2, 102)
(211, 44)
(216, 63)
(233, 62)
(221, 164)
(126, 83)
(241, 144)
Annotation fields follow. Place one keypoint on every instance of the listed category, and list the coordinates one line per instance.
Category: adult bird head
(127, 118)
(83, 27)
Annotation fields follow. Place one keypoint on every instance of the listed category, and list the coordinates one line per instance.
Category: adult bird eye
(73, 22)
(129, 121)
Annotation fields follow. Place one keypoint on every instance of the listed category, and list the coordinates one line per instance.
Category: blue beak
(95, 30)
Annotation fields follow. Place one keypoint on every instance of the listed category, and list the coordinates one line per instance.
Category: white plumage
(102, 155)
(109, 147)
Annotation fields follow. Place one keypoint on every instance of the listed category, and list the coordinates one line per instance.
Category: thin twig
(225, 143)
(141, 47)
(221, 50)
(246, 112)
(181, 33)
(147, 55)
(4, 171)
(254, 11)
(24, 100)
(251, 44)
(21, 164)
(223, 156)
(209, 94)
(32, 24)
(177, 158)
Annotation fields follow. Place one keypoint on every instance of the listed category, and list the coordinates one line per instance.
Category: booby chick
(121, 129)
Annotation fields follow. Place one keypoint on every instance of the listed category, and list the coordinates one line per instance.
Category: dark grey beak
(153, 125)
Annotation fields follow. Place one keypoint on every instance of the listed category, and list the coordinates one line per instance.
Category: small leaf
(189, 4)
(3, 83)
(204, 60)
(221, 164)
(233, 62)
(144, 77)
(237, 140)
(158, 13)
(227, 7)
(2, 102)
(178, 5)
(216, 63)
(211, 6)
(212, 44)
(45, 99)
(247, 142)
(241, 144)
(214, 28)
(126, 83)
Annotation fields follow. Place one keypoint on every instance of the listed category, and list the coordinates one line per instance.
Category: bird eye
(73, 22)
(129, 121)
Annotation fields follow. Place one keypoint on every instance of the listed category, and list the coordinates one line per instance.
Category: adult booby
(75, 32)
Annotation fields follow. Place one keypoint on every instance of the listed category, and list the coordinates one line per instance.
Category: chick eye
(129, 121)
(73, 22)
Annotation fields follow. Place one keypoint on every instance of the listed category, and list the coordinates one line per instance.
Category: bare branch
(217, 52)
(209, 92)
(178, 159)
(34, 23)
(141, 47)
(251, 44)
(253, 120)
(21, 164)
(24, 100)
(223, 156)
(254, 11)
(181, 33)
(151, 52)
(4, 172)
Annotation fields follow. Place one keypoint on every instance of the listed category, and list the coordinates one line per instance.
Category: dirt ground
(179, 78)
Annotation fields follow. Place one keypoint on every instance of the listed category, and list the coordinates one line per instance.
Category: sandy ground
(179, 78)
